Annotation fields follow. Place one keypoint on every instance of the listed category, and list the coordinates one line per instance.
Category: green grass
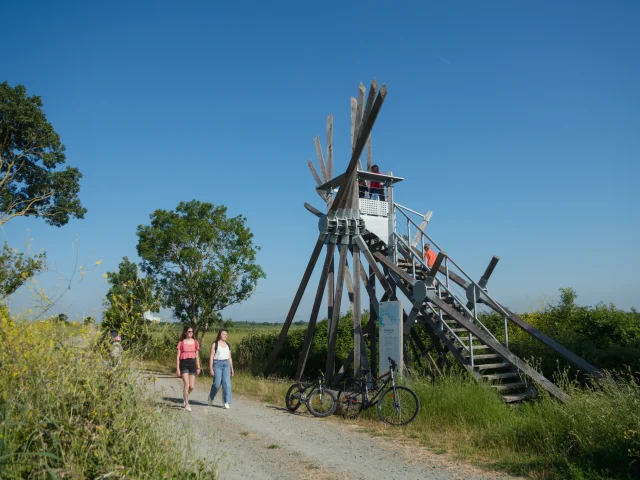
(67, 412)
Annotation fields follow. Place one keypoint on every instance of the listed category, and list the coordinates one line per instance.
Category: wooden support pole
(433, 271)
(359, 111)
(373, 320)
(313, 209)
(365, 131)
(294, 306)
(487, 273)
(323, 169)
(358, 339)
(330, 145)
(304, 354)
(373, 265)
(335, 317)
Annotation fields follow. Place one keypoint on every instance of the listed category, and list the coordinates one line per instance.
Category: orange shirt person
(429, 255)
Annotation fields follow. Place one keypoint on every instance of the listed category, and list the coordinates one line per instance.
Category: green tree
(202, 261)
(31, 182)
(129, 296)
(17, 268)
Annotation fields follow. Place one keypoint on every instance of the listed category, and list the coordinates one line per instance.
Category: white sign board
(390, 334)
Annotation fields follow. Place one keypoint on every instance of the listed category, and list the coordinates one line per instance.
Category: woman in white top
(221, 367)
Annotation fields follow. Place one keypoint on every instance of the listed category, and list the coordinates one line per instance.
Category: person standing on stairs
(429, 257)
(221, 367)
(376, 188)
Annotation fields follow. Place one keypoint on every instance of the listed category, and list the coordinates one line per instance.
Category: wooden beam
(358, 339)
(424, 352)
(498, 348)
(367, 125)
(359, 111)
(553, 345)
(370, 99)
(313, 209)
(373, 319)
(435, 268)
(358, 240)
(294, 306)
(487, 273)
(330, 145)
(323, 169)
(317, 178)
(423, 226)
(411, 319)
(311, 329)
(333, 323)
(369, 154)
(354, 109)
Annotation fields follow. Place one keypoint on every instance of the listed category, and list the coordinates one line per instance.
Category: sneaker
(226, 405)
(188, 408)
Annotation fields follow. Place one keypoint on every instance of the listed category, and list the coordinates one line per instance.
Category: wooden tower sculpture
(446, 303)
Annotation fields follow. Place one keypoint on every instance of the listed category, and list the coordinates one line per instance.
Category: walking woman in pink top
(188, 363)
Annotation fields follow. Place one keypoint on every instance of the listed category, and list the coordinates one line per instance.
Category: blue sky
(516, 123)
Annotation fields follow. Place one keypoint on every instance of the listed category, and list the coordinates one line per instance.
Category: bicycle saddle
(305, 378)
(364, 372)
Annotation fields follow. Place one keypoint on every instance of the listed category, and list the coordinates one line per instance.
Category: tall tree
(17, 268)
(202, 260)
(31, 181)
(129, 296)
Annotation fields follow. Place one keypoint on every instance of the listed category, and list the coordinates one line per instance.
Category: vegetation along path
(263, 441)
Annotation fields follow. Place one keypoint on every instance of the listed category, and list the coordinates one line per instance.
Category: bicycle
(397, 405)
(320, 401)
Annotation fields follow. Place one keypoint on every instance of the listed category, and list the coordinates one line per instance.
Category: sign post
(390, 334)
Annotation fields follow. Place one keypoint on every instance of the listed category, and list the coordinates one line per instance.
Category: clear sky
(516, 123)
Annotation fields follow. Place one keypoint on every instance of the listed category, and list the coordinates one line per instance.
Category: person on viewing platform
(362, 188)
(187, 363)
(376, 188)
(221, 367)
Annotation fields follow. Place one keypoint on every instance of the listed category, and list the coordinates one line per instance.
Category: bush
(67, 413)
(253, 351)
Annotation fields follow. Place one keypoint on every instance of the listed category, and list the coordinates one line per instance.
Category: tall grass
(68, 413)
(593, 435)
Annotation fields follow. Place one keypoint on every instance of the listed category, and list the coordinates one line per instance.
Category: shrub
(67, 413)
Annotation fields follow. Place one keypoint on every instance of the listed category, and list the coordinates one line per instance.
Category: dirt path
(261, 441)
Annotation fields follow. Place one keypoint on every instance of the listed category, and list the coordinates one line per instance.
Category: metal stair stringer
(406, 283)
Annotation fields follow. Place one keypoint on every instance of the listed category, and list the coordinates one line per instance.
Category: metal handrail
(452, 261)
(448, 290)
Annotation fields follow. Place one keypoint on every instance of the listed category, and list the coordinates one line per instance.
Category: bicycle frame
(377, 387)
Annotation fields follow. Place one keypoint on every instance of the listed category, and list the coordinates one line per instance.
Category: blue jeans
(221, 375)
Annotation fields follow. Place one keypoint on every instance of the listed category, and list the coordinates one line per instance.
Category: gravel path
(253, 440)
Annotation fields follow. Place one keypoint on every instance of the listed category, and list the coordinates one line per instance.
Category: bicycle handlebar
(392, 363)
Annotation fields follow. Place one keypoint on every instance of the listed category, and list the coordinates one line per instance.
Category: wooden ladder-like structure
(445, 301)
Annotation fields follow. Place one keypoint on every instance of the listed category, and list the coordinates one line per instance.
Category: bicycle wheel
(322, 403)
(349, 403)
(400, 407)
(293, 400)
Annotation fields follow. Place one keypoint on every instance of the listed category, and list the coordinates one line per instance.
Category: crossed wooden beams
(343, 210)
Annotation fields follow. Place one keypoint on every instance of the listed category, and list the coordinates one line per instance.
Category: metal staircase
(450, 304)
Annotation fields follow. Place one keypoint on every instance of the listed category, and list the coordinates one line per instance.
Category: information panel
(390, 334)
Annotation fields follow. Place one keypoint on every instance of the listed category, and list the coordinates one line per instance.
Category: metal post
(413, 263)
(392, 246)
(446, 267)
(506, 332)
(471, 349)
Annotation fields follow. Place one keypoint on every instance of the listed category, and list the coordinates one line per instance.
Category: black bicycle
(320, 401)
(397, 405)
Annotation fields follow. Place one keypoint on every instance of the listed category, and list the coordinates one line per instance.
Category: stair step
(484, 356)
(510, 386)
(459, 330)
(500, 376)
(475, 347)
(491, 366)
(518, 397)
